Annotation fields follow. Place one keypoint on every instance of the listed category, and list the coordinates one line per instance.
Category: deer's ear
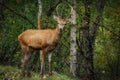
(55, 17)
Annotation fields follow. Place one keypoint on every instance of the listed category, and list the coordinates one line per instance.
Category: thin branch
(15, 12)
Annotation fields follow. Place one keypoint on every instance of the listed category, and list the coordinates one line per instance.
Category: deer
(44, 40)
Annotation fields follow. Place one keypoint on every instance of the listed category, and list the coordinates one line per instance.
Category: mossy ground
(13, 73)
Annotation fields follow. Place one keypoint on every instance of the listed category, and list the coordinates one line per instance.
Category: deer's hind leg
(24, 51)
(28, 57)
(42, 57)
(50, 63)
(25, 60)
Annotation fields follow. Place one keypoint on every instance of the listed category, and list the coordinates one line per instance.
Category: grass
(13, 73)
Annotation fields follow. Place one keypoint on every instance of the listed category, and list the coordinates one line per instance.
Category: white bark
(73, 53)
(39, 12)
(40, 7)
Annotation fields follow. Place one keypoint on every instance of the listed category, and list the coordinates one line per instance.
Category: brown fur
(38, 39)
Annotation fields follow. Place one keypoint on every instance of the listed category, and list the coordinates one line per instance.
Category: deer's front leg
(50, 63)
(42, 57)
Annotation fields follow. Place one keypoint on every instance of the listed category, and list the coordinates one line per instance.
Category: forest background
(17, 16)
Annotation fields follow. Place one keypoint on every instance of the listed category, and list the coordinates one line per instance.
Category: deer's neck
(59, 32)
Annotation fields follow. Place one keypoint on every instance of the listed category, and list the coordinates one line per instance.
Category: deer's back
(37, 38)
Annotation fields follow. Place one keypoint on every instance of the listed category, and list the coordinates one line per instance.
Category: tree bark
(39, 12)
(86, 47)
(73, 53)
(87, 38)
(1, 1)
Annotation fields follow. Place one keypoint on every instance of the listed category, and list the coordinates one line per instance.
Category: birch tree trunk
(73, 53)
(39, 12)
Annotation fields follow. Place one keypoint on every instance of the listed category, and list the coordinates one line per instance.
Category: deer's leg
(42, 57)
(23, 65)
(24, 50)
(25, 60)
(28, 56)
(50, 63)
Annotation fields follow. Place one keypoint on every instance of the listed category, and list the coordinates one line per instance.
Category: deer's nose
(61, 26)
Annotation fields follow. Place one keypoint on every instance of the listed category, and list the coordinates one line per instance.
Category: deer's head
(62, 21)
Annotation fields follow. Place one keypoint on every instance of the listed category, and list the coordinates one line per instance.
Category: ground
(13, 73)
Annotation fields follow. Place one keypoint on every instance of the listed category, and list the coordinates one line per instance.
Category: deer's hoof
(41, 75)
(23, 75)
(28, 74)
(50, 73)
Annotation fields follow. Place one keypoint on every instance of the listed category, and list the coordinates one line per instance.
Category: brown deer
(45, 40)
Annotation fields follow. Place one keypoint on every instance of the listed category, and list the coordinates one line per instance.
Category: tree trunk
(73, 53)
(86, 47)
(39, 12)
(1, 1)
(87, 39)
